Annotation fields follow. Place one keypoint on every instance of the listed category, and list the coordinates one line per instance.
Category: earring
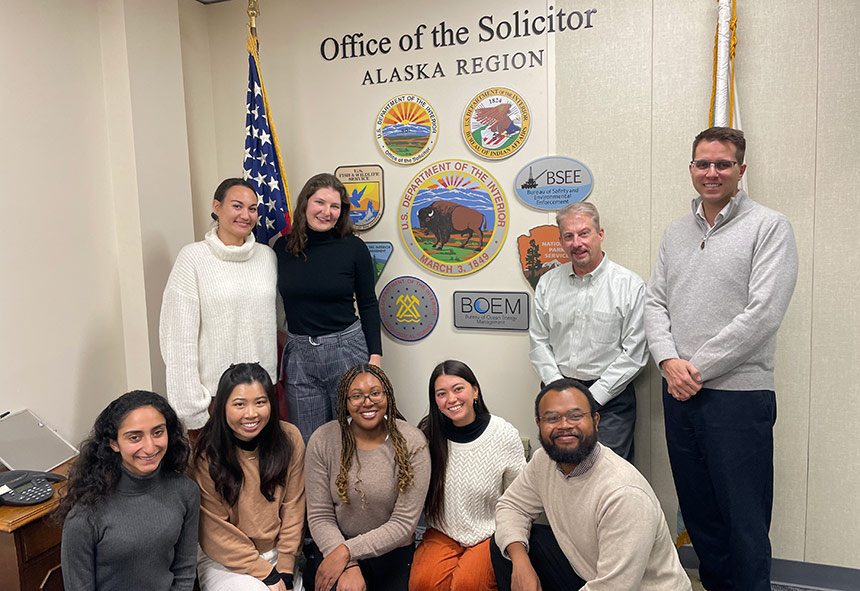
(475, 402)
(385, 417)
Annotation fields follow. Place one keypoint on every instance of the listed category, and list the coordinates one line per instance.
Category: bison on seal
(444, 218)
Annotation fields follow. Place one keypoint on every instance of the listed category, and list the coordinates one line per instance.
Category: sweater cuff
(357, 550)
(272, 578)
(286, 562)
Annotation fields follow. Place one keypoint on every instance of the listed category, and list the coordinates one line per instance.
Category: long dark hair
(217, 446)
(434, 426)
(95, 473)
(298, 237)
(401, 452)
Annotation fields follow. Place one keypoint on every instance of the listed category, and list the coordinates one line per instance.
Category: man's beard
(570, 456)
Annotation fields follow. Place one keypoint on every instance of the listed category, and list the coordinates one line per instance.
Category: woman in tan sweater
(367, 476)
(250, 468)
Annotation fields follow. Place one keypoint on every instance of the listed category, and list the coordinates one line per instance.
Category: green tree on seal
(533, 264)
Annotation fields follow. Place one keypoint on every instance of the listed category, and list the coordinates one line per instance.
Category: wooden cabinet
(30, 546)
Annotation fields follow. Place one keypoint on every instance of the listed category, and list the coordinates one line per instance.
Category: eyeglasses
(572, 416)
(358, 399)
(720, 165)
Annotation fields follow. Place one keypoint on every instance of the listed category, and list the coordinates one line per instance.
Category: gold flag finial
(253, 12)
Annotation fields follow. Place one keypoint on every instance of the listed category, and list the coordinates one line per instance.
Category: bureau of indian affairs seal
(496, 123)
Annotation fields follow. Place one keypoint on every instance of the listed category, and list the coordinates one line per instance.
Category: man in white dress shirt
(587, 324)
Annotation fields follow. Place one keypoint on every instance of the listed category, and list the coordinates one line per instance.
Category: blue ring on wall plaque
(551, 183)
(408, 308)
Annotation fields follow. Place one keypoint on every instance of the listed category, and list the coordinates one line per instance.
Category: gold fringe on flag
(733, 23)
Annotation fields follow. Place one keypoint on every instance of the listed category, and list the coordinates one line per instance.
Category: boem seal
(406, 129)
(453, 217)
(496, 123)
(408, 308)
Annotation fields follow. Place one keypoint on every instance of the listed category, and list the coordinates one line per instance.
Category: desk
(30, 545)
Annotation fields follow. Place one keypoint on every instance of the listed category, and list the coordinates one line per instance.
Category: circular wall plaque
(409, 309)
(406, 129)
(453, 217)
(496, 123)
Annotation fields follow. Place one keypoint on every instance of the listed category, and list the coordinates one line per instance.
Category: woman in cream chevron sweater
(474, 457)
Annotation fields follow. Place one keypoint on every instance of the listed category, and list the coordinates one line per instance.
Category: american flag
(263, 166)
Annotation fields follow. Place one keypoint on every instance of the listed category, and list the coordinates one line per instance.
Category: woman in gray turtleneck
(130, 512)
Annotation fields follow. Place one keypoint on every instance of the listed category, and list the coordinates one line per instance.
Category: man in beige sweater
(607, 524)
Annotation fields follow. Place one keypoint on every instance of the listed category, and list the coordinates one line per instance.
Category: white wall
(626, 98)
(94, 161)
(99, 176)
(62, 348)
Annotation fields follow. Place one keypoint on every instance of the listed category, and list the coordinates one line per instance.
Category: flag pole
(253, 13)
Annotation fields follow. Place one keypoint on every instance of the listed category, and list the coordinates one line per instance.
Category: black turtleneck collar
(246, 445)
(314, 236)
(466, 433)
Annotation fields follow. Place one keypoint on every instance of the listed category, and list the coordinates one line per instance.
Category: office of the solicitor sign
(517, 25)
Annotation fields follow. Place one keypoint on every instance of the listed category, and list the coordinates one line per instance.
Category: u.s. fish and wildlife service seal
(453, 217)
(496, 123)
(366, 193)
(406, 129)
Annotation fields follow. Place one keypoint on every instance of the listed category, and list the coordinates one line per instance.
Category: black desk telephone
(27, 487)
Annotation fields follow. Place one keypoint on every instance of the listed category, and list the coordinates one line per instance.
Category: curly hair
(96, 472)
(217, 447)
(434, 426)
(298, 236)
(401, 452)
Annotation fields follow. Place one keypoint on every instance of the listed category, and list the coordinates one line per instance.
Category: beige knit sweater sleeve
(290, 537)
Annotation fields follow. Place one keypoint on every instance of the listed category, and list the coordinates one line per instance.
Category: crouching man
(607, 529)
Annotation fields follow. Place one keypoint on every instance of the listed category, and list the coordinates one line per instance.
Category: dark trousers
(389, 572)
(549, 562)
(721, 452)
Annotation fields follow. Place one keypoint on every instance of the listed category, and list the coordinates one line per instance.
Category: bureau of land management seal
(406, 129)
(496, 123)
(408, 308)
(453, 217)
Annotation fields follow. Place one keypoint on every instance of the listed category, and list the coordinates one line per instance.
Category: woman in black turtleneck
(323, 272)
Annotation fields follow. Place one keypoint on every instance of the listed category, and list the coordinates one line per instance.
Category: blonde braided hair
(401, 452)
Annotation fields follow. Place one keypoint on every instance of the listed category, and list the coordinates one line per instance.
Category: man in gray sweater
(723, 280)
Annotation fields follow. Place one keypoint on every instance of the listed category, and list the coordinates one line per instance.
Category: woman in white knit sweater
(474, 457)
(219, 305)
